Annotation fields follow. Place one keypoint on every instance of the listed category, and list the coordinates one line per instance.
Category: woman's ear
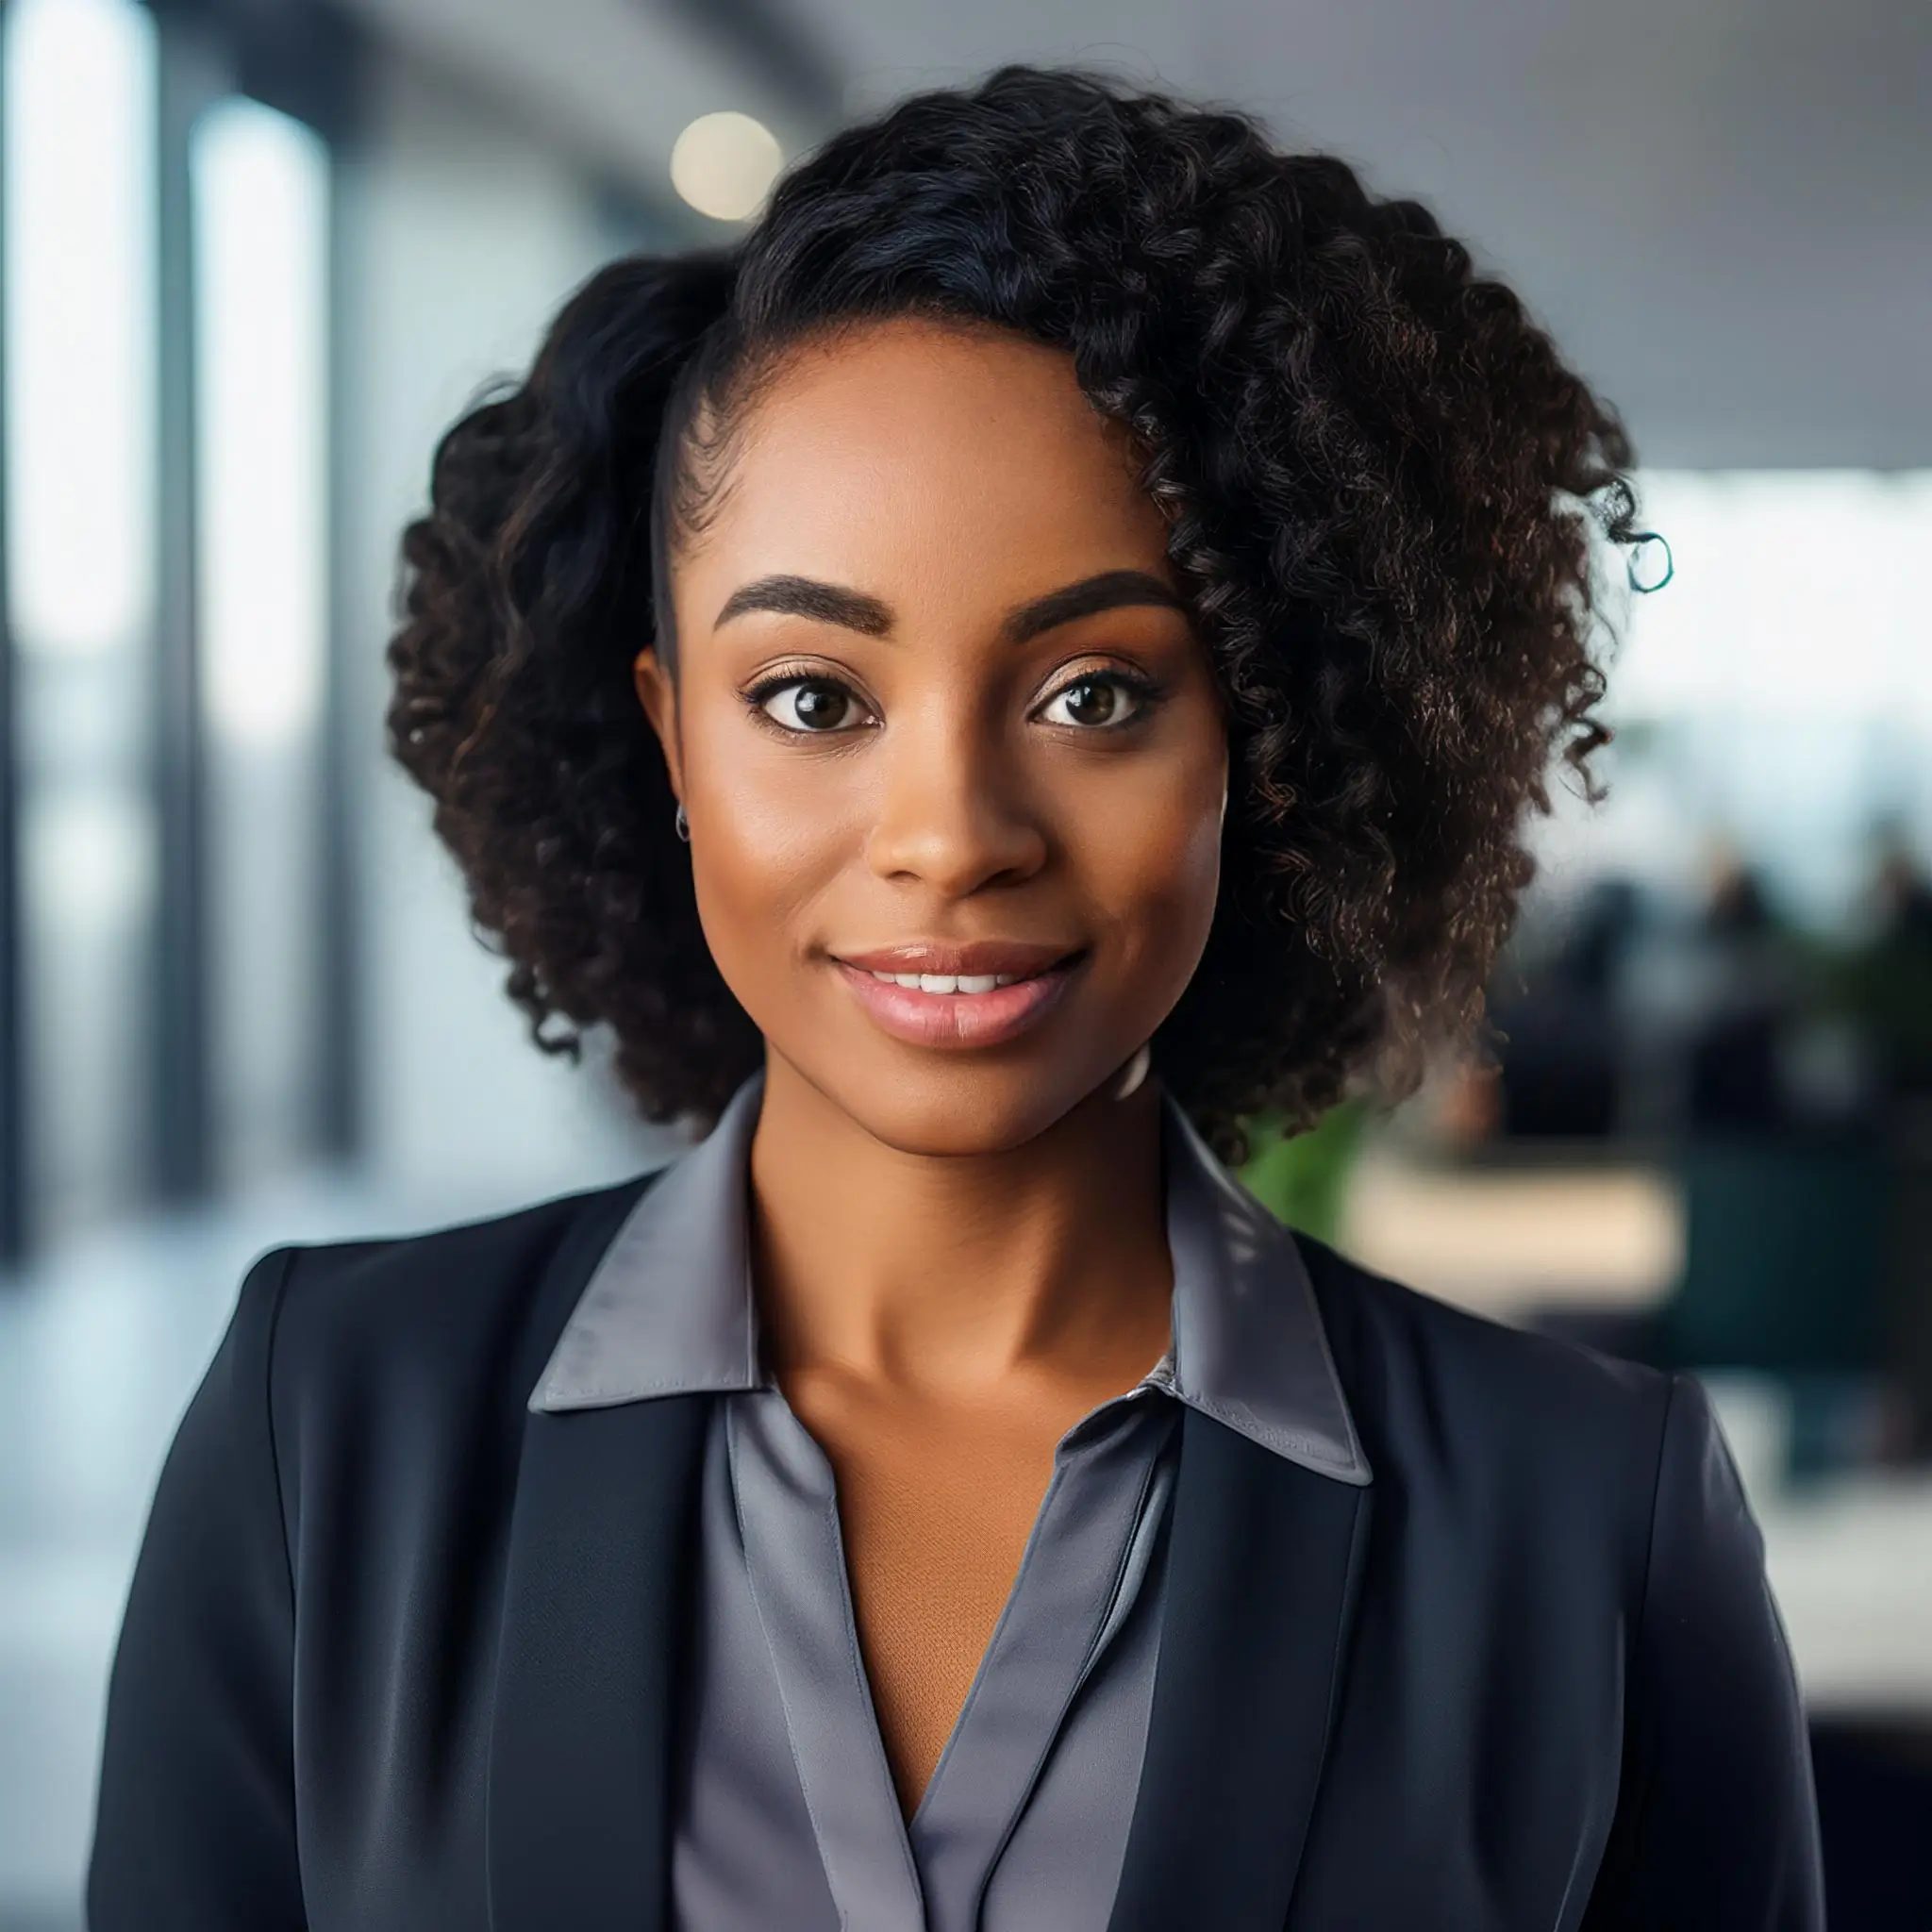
(657, 693)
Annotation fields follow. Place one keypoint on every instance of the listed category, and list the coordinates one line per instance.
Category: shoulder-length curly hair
(1381, 486)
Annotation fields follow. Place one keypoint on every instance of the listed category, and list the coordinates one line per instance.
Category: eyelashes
(805, 703)
(1129, 695)
(821, 707)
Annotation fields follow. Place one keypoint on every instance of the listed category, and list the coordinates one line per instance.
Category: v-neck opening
(1034, 1538)
(1062, 1612)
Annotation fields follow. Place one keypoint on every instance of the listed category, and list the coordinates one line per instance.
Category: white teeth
(949, 982)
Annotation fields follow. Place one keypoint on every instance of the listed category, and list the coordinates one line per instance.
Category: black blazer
(399, 1655)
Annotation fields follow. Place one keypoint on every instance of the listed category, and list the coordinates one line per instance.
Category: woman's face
(938, 711)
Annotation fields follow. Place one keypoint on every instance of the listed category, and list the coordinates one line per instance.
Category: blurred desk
(1502, 1242)
(1850, 1558)
(1851, 1565)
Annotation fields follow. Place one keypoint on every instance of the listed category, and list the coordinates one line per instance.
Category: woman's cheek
(761, 863)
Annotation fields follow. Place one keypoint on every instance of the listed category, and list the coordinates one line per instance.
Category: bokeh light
(724, 165)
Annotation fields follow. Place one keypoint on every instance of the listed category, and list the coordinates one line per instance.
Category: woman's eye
(1094, 701)
(811, 703)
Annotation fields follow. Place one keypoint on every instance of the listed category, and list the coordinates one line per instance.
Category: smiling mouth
(954, 982)
(957, 1009)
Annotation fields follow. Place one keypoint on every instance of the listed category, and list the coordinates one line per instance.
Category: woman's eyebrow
(1112, 590)
(796, 596)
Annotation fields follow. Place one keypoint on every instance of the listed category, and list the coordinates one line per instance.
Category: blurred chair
(1786, 1246)
(1787, 1258)
(1789, 1246)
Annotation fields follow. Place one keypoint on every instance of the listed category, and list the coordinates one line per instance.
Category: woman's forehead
(917, 448)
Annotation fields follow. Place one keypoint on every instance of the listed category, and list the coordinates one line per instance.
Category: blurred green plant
(1302, 1178)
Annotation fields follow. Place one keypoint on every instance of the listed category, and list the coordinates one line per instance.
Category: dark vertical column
(180, 1109)
(15, 1230)
(338, 1082)
(310, 60)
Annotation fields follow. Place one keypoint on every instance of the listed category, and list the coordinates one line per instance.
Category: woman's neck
(944, 1275)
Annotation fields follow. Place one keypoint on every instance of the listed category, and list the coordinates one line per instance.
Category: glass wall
(167, 489)
(260, 208)
(1777, 694)
(80, 464)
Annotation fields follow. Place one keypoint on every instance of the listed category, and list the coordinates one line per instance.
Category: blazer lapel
(602, 1541)
(578, 1800)
(1264, 1567)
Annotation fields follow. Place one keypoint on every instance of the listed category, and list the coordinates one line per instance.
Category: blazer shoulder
(447, 1302)
(1420, 1371)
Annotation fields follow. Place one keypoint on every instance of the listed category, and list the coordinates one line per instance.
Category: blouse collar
(668, 1309)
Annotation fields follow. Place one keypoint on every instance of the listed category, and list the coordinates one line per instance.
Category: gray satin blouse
(785, 1811)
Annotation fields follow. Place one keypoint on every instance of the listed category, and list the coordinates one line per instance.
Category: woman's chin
(957, 1105)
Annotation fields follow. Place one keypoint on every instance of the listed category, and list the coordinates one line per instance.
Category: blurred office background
(256, 253)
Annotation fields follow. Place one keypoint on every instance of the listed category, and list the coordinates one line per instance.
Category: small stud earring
(1136, 1071)
(682, 823)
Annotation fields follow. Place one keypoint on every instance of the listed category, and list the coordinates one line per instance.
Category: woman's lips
(959, 1019)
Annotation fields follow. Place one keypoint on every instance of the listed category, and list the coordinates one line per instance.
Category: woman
(1041, 653)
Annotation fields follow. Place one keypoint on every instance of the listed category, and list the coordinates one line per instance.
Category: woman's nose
(952, 812)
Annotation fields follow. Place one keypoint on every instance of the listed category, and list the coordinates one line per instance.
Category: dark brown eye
(810, 704)
(1092, 702)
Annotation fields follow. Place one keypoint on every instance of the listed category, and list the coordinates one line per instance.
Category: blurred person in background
(1748, 998)
(1039, 656)
(1783, 1187)
(1887, 982)
(1562, 1072)
(1884, 988)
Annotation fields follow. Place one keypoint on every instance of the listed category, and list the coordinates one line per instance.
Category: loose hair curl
(1382, 487)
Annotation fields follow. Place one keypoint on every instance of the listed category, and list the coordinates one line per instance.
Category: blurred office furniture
(1506, 1241)
(1785, 1247)
(1850, 1561)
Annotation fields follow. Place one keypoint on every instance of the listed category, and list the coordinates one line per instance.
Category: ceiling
(1724, 209)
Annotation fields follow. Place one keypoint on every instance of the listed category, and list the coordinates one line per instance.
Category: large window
(260, 208)
(80, 324)
(166, 488)
(1774, 699)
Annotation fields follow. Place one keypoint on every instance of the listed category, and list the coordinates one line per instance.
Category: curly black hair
(1384, 491)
